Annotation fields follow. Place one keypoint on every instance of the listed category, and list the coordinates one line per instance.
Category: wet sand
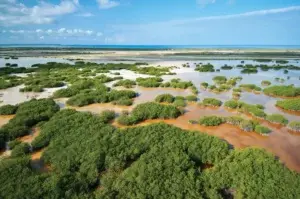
(4, 119)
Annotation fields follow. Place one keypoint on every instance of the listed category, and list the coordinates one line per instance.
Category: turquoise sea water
(151, 47)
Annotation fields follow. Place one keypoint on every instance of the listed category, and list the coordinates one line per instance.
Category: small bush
(179, 103)
(125, 83)
(295, 126)
(191, 98)
(234, 120)
(220, 79)
(247, 125)
(211, 102)
(233, 104)
(124, 102)
(277, 119)
(165, 98)
(205, 68)
(211, 121)
(204, 85)
(262, 129)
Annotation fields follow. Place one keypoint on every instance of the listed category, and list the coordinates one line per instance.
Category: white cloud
(17, 31)
(89, 32)
(13, 12)
(106, 4)
(86, 14)
(42, 37)
(49, 31)
(61, 30)
(179, 22)
(60, 33)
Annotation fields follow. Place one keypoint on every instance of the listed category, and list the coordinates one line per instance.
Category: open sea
(150, 47)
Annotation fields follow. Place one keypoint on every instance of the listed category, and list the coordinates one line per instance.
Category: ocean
(149, 47)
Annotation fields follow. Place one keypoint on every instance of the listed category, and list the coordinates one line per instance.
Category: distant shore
(130, 54)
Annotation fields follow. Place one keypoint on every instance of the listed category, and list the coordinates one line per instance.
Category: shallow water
(29, 61)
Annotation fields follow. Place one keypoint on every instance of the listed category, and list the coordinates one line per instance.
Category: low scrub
(125, 83)
(282, 91)
(211, 121)
(294, 126)
(211, 102)
(149, 110)
(289, 104)
(277, 119)
(8, 109)
(165, 98)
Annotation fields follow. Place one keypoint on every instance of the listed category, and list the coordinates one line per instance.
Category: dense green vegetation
(102, 96)
(289, 104)
(249, 71)
(211, 121)
(149, 82)
(91, 159)
(282, 91)
(149, 110)
(8, 109)
(151, 70)
(9, 81)
(179, 103)
(211, 102)
(28, 114)
(20, 150)
(295, 126)
(277, 119)
(205, 68)
(165, 98)
(125, 83)
(262, 129)
(191, 98)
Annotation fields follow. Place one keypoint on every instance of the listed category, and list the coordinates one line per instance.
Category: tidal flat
(237, 97)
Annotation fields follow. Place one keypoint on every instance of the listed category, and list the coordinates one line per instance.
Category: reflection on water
(29, 61)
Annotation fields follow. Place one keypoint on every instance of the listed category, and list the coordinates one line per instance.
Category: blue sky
(152, 22)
